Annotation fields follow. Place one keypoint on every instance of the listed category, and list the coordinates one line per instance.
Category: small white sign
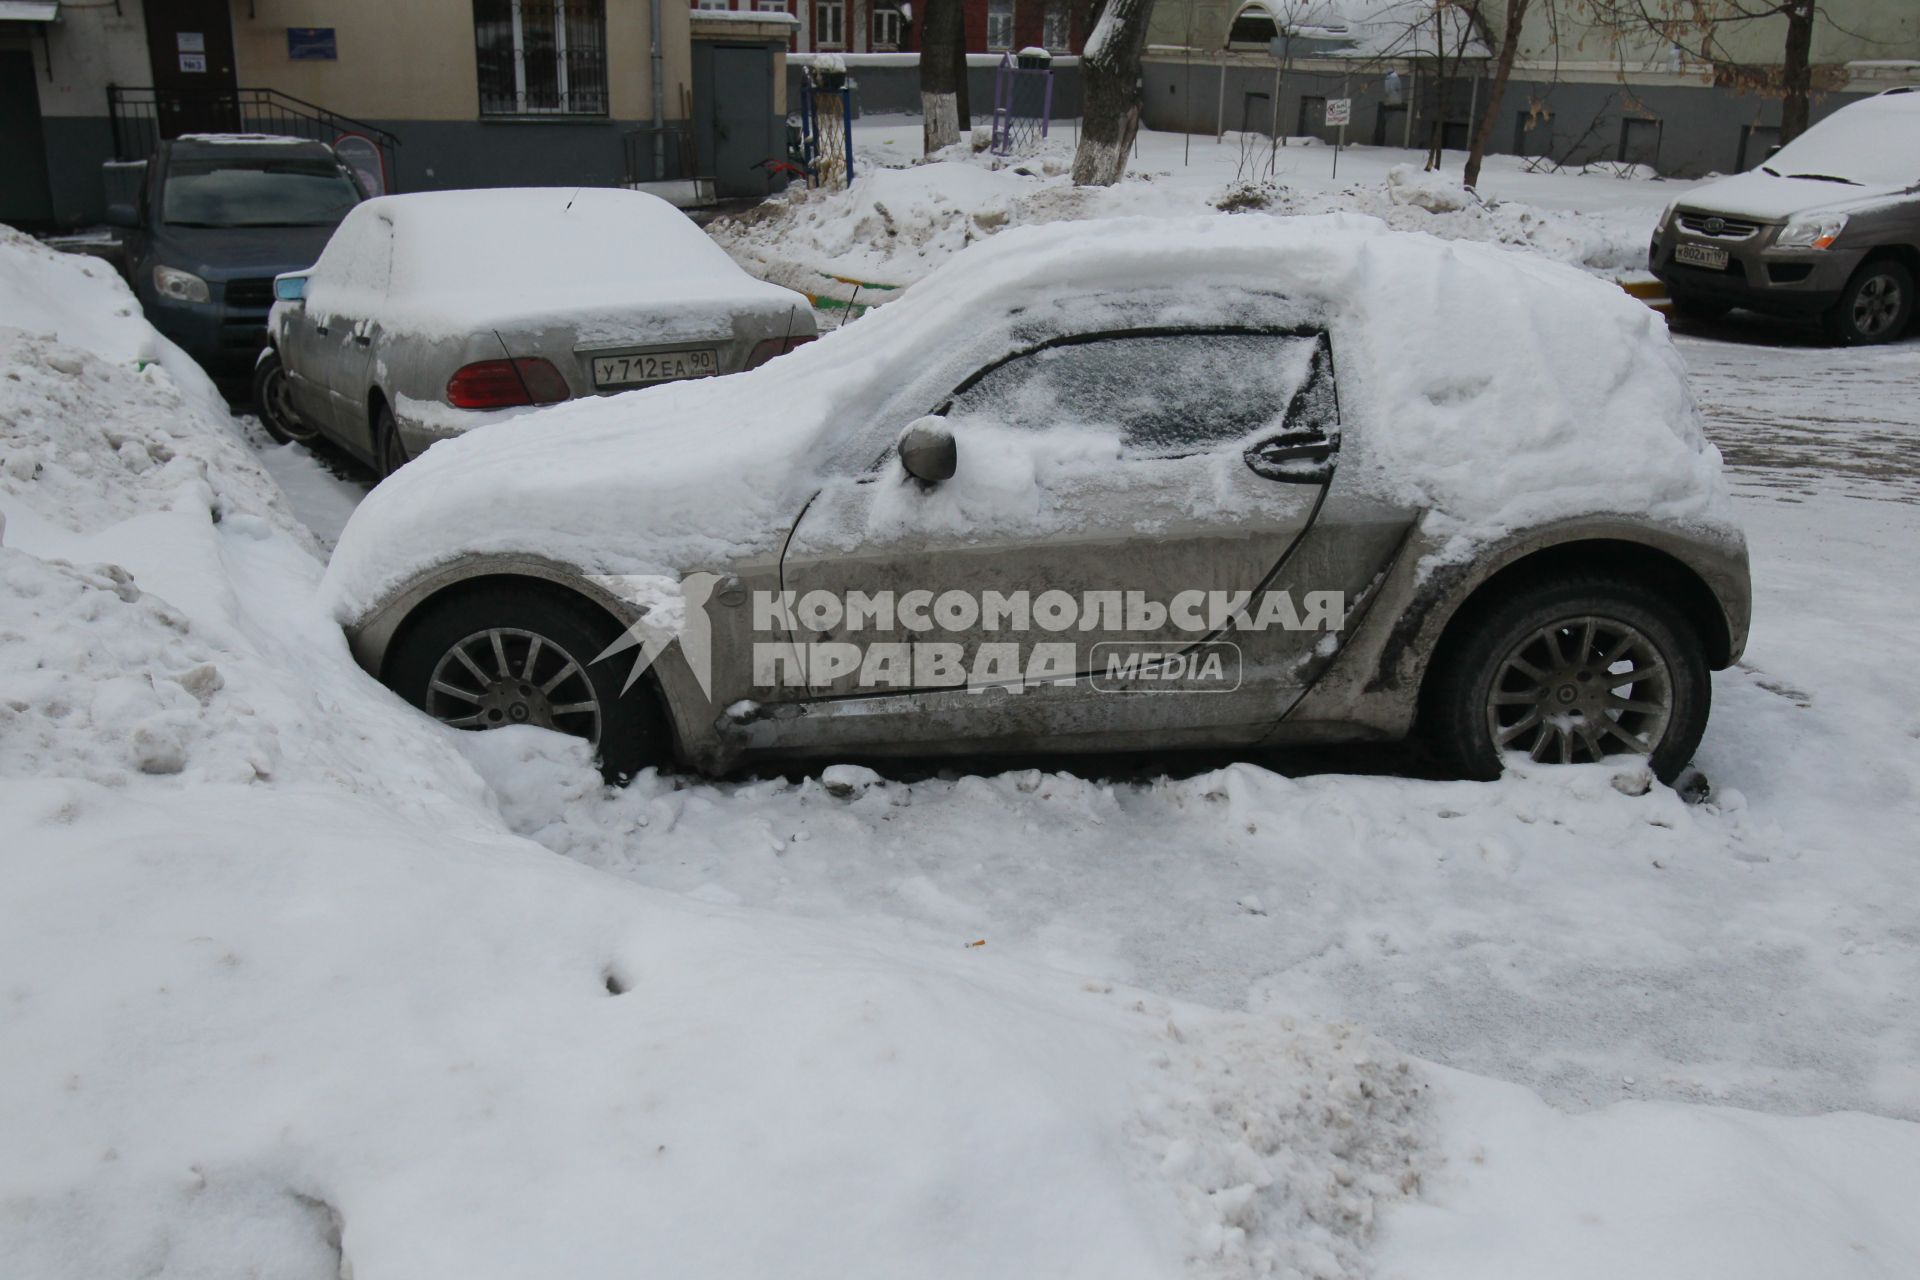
(1339, 111)
(193, 62)
(190, 41)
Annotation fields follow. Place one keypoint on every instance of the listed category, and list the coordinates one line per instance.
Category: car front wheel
(1572, 672)
(273, 401)
(500, 655)
(1874, 307)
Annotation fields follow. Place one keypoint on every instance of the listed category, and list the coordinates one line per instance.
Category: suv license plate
(1701, 255)
(654, 366)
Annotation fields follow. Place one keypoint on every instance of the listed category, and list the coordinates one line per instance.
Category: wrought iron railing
(142, 117)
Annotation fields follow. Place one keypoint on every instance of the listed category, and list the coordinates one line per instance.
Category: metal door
(743, 119)
(24, 196)
(190, 44)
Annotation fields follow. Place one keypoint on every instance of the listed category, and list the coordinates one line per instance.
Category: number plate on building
(654, 366)
(1701, 255)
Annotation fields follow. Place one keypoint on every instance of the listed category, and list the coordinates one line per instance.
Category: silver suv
(1827, 228)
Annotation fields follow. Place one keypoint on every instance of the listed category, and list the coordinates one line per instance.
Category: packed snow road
(1760, 948)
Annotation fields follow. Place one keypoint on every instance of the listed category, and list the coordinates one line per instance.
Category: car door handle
(363, 339)
(320, 329)
(1297, 457)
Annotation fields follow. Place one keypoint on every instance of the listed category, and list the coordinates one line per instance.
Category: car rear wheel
(389, 448)
(499, 655)
(1572, 672)
(273, 401)
(1874, 307)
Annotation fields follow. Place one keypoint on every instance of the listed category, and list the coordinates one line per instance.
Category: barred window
(999, 25)
(541, 57)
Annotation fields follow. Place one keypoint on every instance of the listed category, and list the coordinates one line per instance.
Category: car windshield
(251, 192)
(1861, 147)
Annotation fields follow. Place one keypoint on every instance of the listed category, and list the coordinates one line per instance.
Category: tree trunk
(942, 36)
(1796, 71)
(963, 83)
(1110, 85)
(1502, 69)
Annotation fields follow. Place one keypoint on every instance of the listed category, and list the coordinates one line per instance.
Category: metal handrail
(136, 116)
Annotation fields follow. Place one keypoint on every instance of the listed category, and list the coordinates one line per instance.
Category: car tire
(1875, 306)
(273, 404)
(1694, 307)
(561, 635)
(1528, 670)
(389, 450)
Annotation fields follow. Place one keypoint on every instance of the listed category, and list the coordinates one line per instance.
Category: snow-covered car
(429, 315)
(1828, 228)
(1149, 484)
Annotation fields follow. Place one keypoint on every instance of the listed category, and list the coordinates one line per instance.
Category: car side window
(1164, 394)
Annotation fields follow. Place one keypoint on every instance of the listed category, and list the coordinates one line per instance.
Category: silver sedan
(429, 315)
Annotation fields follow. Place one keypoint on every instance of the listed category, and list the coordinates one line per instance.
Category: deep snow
(297, 1000)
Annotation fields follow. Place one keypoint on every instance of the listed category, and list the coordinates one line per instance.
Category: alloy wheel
(1579, 690)
(1876, 305)
(504, 676)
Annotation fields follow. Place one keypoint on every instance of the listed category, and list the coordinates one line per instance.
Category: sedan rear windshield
(215, 192)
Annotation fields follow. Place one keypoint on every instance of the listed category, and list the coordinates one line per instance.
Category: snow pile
(284, 998)
(1432, 190)
(82, 302)
(894, 225)
(1491, 388)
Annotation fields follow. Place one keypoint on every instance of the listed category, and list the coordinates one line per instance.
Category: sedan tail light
(501, 384)
(772, 347)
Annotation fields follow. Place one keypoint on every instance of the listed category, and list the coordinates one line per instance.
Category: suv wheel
(497, 656)
(273, 401)
(1570, 673)
(1874, 307)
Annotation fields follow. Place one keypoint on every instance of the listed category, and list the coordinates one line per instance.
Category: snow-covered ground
(900, 219)
(283, 988)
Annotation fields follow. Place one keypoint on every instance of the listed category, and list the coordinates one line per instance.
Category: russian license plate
(1701, 255)
(654, 366)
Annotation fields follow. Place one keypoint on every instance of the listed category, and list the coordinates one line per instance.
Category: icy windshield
(251, 192)
(1857, 147)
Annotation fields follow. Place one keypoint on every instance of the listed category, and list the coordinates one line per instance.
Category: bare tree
(1110, 83)
(943, 45)
(1696, 27)
(1513, 16)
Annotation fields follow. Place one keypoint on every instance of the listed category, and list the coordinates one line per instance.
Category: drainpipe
(659, 93)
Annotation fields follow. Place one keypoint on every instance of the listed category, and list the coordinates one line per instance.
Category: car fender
(1373, 687)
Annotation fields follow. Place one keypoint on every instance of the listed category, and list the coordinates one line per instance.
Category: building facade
(889, 26)
(453, 93)
(1579, 94)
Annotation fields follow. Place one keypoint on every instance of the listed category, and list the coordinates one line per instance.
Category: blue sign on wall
(306, 44)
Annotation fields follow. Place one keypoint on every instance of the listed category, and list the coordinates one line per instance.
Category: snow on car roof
(464, 257)
(249, 139)
(1492, 388)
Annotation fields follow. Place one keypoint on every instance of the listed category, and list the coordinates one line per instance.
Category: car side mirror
(928, 451)
(123, 214)
(290, 288)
